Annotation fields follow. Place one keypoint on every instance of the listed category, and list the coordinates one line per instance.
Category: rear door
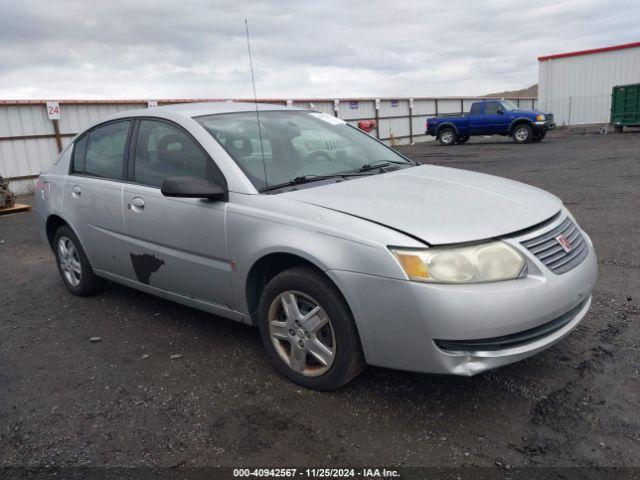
(175, 244)
(93, 194)
(475, 118)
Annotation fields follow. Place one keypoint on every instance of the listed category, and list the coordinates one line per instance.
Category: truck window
(491, 108)
(475, 108)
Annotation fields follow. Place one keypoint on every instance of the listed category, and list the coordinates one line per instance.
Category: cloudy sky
(191, 48)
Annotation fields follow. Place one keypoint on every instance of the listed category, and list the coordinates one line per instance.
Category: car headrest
(239, 146)
(173, 147)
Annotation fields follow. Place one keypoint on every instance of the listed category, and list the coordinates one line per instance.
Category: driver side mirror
(500, 111)
(192, 187)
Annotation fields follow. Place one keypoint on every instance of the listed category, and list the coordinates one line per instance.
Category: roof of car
(210, 108)
(196, 109)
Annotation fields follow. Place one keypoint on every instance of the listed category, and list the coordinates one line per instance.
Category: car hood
(528, 112)
(437, 205)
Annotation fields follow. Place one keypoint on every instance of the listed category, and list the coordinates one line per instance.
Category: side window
(163, 150)
(77, 160)
(475, 109)
(491, 108)
(105, 146)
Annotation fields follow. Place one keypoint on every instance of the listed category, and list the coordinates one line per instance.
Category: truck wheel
(619, 128)
(463, 139)
(308, 331)
(522, 133)
(447, 136)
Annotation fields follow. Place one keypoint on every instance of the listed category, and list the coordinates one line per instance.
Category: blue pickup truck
(492, 117)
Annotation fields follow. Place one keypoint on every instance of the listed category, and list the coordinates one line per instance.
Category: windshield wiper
(314, 178)
(307, 179)
(379, 164)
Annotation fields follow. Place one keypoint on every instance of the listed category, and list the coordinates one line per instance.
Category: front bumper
(543, 126)
(399, 321)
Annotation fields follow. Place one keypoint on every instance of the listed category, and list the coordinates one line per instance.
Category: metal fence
(29, 141)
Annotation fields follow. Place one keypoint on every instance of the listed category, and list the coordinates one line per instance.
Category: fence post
(377, 106)
(411, 120)
(56, 130)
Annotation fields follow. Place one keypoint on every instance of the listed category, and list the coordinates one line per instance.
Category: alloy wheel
(69, 261)
(522, 134)
(302, 333)
(447, 137)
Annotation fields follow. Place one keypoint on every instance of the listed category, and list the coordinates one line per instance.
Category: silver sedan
(342, 251)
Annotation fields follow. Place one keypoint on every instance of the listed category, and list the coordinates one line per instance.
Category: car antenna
(255, 100)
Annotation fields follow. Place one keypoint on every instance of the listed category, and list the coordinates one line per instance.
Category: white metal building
(576, 86)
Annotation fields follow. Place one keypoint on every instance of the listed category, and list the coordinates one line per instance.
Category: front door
(495, 118)
(176, 244)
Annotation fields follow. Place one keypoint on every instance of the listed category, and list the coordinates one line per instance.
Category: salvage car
(341, 250)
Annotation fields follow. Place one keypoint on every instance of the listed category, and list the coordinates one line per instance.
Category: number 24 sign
(53, 110)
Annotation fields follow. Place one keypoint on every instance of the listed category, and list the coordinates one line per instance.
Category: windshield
(508, 105)
(295, 144)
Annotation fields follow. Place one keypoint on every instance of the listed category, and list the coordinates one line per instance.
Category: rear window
(77, 159)
(100, 153)
(475, 109)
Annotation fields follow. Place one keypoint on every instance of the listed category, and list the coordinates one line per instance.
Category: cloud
(195, 48)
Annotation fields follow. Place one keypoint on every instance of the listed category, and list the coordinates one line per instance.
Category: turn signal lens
(540, 118)
(413, 266)
(485, 262)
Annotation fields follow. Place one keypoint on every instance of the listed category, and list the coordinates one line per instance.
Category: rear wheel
(308, 331)
(73, 264)
(447, 136)
(619, 128)
(522, 133)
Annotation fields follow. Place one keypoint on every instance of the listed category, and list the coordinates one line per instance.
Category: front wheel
(308, 331)
(447, 136)
(522, 133)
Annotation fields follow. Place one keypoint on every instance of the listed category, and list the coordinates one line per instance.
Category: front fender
(327, 239)
(519, 120)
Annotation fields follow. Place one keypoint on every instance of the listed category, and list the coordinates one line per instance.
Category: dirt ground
(123, 401)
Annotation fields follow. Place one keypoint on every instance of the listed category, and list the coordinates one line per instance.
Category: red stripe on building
(589, 52)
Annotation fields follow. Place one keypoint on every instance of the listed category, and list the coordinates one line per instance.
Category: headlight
(540, 118)
(485, 262)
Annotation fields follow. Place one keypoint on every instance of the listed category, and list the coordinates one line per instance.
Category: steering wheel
(317, 155)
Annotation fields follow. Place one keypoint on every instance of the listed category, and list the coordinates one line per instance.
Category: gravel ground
(126, 400)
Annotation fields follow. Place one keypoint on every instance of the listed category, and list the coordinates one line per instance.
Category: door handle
(76, 191)
(137, 203)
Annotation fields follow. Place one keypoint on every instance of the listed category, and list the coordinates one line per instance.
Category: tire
(539, 137)
(464, 139)
(337, 333)
(619, 128)
(447, 136)
(73, 265)
(522, 133)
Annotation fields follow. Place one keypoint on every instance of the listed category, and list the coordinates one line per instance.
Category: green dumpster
(625, 106)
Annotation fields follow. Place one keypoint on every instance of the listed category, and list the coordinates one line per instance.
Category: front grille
(513, 340)
(549, 117)
(550, 252)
